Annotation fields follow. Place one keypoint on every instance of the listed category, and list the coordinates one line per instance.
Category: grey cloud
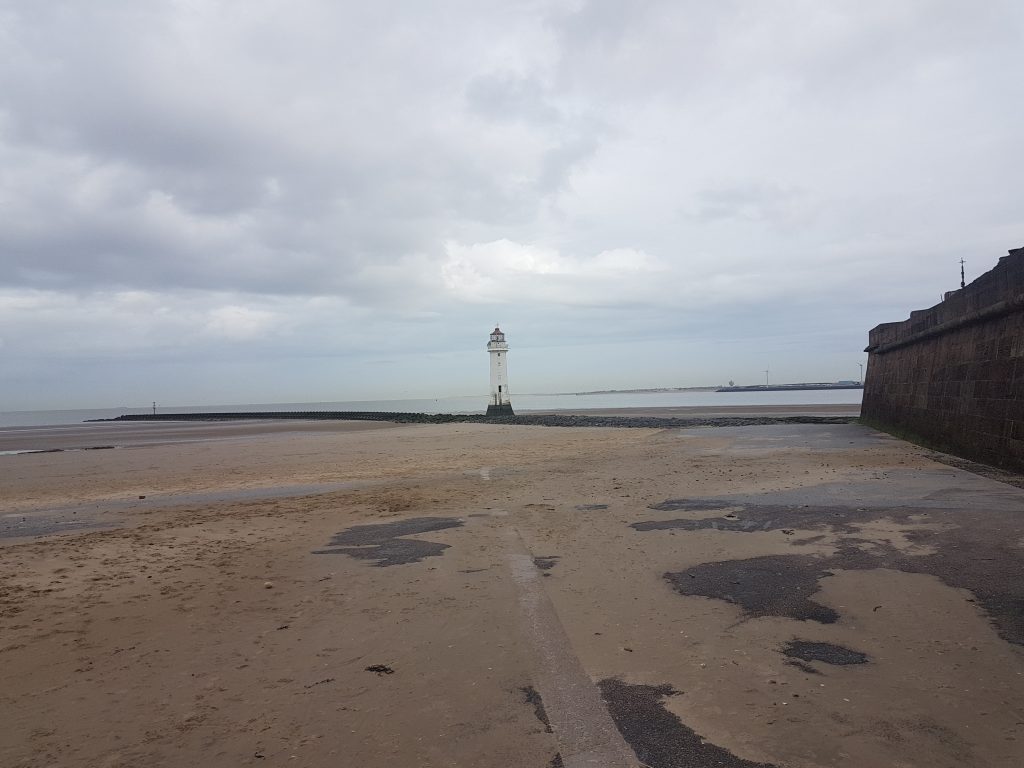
(755, 202)
(505, 96)
(609, 174)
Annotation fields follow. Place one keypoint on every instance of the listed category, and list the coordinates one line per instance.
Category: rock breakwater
(537, 420)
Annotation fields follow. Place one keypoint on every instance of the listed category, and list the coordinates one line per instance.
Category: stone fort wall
(953, 376)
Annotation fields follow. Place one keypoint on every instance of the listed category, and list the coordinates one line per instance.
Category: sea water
(468, 404)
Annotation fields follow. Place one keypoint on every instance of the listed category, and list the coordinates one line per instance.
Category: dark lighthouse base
(505, 409)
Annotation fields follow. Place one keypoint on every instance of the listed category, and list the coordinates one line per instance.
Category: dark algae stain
(658, 737)
(779, 585)
(591, 507)
(732, 524)
(532, 697)
(972, 549)
(807, 650)
(689, 505)
(807, 540)
(546, 562)
(754, 518)
(384, 542)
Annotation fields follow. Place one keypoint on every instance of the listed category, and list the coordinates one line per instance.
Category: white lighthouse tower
(499, 405)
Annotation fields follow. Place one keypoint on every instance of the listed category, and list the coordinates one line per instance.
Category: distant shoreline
(651, 391)
(804, 387)
(789, 387)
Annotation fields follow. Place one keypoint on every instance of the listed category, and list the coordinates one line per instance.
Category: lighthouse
(497, 348)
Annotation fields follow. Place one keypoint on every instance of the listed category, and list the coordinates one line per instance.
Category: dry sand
(223, 621)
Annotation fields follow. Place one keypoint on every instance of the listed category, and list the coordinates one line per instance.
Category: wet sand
(320, 594)
(123, 434)
(824, 409)
(130, 434)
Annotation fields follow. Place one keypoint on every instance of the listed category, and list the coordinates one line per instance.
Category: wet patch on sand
(384, 542)
(966, 549)
(995, 473)
(532, 697)
(658, 737)
(58, 450)
(689, 505)
(807, 540)
(808, 650)
(762, 586)
(761, 517)
(24, 526)
(546, 562)
(730, 524)
(161, 500)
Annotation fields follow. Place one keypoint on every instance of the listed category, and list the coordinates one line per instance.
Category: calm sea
(522, 403)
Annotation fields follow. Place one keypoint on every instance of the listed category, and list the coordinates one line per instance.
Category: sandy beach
(367, 594)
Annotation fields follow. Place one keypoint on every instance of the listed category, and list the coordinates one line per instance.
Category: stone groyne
(952, 376)
(540, 420)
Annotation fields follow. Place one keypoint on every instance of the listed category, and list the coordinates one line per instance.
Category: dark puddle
(591, 507)
(658, 737)
(972, 549)
(545, 563)
(806, 650)
(383, 542)
(763, 586)
(533, 698)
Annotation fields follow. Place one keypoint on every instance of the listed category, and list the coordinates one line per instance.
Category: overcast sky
(206, 201)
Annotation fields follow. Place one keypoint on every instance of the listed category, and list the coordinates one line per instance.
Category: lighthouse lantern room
(500, 404)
